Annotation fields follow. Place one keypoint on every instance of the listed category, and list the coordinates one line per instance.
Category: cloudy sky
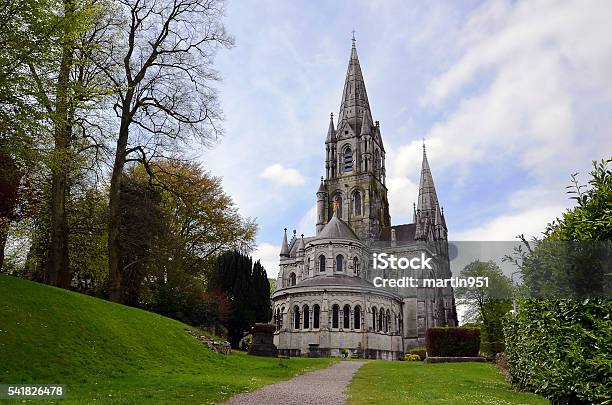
(511, 97)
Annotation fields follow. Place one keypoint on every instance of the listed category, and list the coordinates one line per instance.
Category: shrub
(491, 348)
(452, 342)
(412, 357)
(562, 349)
(419, 351)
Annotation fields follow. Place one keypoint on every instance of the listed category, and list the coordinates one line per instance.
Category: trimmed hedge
(452, 342)
(562, 349)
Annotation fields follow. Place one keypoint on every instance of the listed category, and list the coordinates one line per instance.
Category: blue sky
(511, 97)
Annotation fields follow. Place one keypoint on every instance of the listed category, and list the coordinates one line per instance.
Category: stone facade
(325, 302)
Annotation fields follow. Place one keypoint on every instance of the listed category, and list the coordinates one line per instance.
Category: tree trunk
(4, 227)
(115, 272)
(10, 177)
(58, 271)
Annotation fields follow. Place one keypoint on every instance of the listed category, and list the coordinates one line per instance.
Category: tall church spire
(354, 96)
(428, 214)
(428, 199)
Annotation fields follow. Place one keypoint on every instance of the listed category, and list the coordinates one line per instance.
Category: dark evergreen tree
(261, 294)
(248, 290)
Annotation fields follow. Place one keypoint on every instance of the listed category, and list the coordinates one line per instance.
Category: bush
(419, 351)
(562, 349)
(412, 357)
(491, 348)
(452, 342)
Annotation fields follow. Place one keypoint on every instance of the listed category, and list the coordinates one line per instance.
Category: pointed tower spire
(354, 96)
(285, 247)
(331, 132)
(428, 199)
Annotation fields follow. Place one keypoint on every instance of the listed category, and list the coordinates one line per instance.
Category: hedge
(562, 349)
(452, 342)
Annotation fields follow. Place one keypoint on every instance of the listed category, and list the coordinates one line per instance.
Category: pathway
(320, 387)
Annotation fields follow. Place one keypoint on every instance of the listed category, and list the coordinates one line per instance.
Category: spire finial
(353, 39)
(424, 145)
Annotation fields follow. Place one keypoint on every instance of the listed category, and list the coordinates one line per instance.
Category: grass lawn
(384, 382)
(111, 353)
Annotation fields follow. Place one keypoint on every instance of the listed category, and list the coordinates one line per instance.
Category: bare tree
(164, 97)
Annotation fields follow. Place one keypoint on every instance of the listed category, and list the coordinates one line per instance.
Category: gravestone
(263, 340)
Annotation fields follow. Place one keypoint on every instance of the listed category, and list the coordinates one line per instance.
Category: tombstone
(263, 340)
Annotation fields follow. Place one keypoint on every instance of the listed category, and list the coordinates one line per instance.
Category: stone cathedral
(326, 303)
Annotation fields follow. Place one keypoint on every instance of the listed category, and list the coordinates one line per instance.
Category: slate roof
(337, 229)
(403, 233)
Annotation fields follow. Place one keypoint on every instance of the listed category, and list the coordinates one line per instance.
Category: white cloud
(308, 222)
(282, 176)
(267, 253)
(529, 222)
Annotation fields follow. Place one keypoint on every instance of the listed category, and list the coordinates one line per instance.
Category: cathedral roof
(403, 233)
(336, 229)
(354, 96)
(296, 246)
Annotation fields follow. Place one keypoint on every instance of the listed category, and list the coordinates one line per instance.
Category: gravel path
(320, 387)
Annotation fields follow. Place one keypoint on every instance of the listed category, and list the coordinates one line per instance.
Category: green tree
(248, 290)
(488, 304)
(559, 343)
(163, 91)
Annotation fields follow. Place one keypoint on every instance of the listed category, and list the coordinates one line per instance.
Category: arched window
(322, 263)
(346, 311)
(315, 316)
(347, 160)
(357, 203)
(306, 317)
(339, 262)
(308, 267)
(374, 318)
(276, 318)
(387, 321)
(335, 316)
(292, 279)
(356, 265)
(296, 317)
(357, 320)
(381, 320)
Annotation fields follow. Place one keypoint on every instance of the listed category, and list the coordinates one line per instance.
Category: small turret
(331, 131)
(301, 246)
(321, 200)
(285, 246)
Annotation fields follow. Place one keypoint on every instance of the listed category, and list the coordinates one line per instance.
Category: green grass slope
(113, 353)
